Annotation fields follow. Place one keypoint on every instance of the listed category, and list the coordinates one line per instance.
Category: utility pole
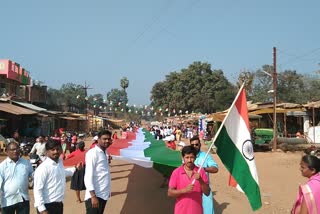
(274, 143)
(85, 88)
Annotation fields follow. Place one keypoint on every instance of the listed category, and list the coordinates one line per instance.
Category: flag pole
(219, 130)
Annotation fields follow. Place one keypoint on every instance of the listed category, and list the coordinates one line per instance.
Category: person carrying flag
(187, 184)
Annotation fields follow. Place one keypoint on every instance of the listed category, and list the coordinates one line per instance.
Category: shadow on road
(218, 208)
(144, 193)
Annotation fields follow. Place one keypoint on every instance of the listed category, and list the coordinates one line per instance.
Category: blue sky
(101, 41)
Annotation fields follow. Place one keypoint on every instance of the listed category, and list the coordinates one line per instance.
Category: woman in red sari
(115, 135)
(308, 198)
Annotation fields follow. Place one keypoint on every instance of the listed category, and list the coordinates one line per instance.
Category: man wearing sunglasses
(209, 166)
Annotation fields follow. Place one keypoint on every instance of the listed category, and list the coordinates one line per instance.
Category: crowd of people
(189, 184)
(91, 173)
(179, 132)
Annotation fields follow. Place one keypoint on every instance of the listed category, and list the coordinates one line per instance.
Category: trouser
(18, 208)
(99, 210)
(54, 208)
(207, 203)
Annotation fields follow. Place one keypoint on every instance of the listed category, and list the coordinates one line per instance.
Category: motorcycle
(35, 162)
(25, 148)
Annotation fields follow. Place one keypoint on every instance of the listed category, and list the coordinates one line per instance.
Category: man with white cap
(181, 144)
(94, 141)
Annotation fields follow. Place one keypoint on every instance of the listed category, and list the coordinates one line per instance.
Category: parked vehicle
(25, 148)
(262, 136)
(82, 135)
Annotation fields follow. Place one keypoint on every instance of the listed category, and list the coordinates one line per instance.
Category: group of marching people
(179, 132)
(189, 183)
(91, 174)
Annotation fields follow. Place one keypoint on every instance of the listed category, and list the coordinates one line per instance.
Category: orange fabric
(232, 181)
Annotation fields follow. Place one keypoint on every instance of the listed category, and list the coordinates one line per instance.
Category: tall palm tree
(124, 83)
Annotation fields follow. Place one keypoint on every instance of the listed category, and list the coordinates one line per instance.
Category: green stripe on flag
(238, 167)
(165, 160)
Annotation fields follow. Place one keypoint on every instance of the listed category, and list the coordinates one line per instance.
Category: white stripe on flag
(239, 134)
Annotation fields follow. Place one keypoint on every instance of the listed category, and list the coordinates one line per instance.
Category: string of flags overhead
(143, 110)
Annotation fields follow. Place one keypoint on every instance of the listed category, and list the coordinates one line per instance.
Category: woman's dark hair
(51, 144)
(188, 150)
(312, 161)
(81, 145)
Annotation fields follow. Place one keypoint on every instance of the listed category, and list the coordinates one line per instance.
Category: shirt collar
(182, 171)
(199, 153)
(52, 162)
(98, 148)
(11, 161)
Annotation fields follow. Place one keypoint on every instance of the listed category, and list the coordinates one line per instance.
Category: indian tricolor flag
(234, 147)
(143, 149)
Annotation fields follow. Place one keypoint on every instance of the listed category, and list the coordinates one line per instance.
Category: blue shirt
(207, 201)
(14, 179)
(208, 163)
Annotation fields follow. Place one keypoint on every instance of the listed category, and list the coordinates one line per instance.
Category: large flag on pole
(234, 147)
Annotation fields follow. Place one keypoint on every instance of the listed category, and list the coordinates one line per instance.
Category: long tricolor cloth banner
(144, 150)
(234, 147)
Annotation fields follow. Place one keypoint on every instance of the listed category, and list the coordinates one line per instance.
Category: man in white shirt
(39, 148)
(14, 177)
(50, 181)
(97, 176)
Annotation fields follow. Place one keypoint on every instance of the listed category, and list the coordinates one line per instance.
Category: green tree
(124, 83)
(311, 88)
(116, 99)
(290, 87)
(261, 84)
(246, 77)
(55, 99)
(74, 97)
(197, 88)
(96, 103)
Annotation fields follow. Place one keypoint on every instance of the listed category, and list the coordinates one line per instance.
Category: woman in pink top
(308, 198)
(188, 196)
